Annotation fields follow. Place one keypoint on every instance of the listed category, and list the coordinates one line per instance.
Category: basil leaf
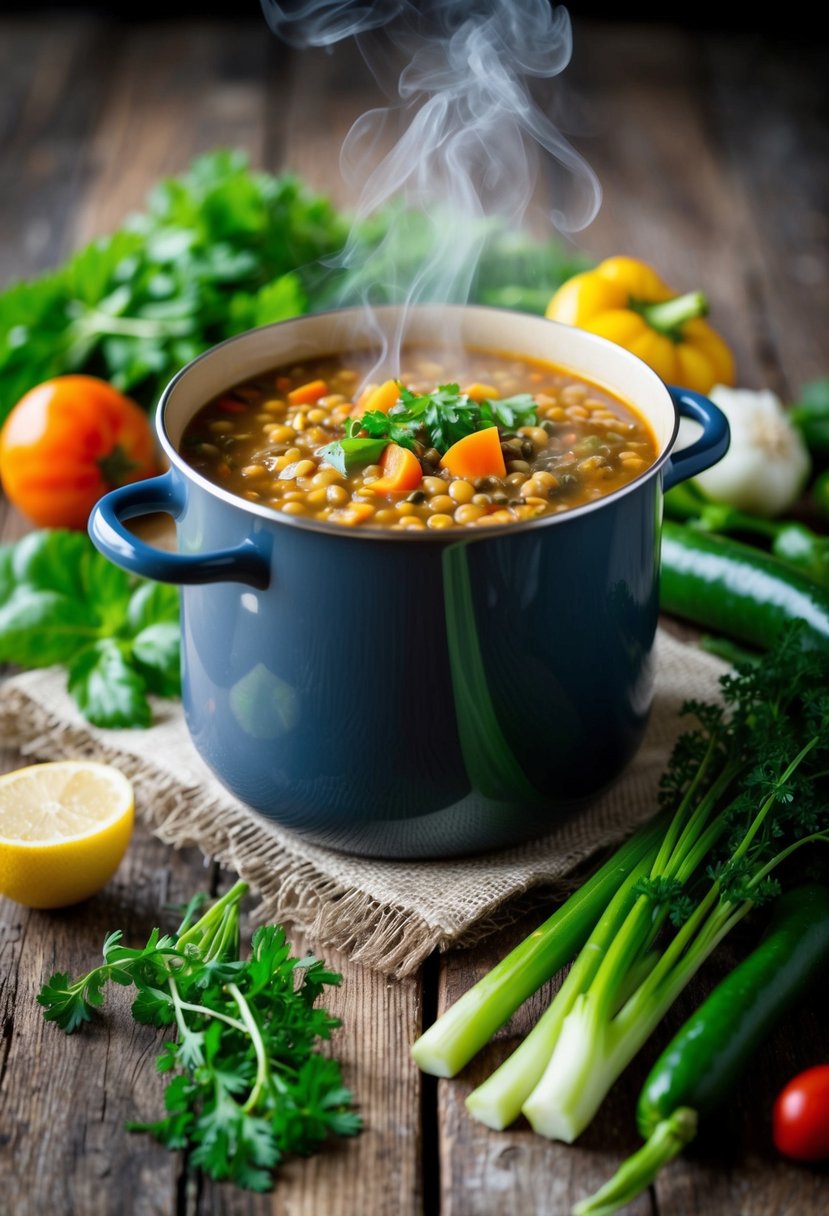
(156, 650)
(39, 628)
(106, 588)
(6, 572)
(152, 603)
(52, 559)
(346, 455)
(108, 690)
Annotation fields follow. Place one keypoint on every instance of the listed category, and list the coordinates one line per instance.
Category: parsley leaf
(249, 1084)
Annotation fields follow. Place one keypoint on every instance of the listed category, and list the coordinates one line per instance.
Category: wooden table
(710, 150)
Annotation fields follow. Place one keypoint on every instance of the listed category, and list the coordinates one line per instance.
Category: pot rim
(414, 535)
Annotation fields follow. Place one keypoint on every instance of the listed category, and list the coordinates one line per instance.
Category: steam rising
(473, 138)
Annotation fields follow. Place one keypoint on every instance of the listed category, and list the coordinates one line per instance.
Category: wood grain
(183, 88)
(65, 1099)
(55, 76)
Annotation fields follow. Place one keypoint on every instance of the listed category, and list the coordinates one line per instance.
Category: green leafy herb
(62, 602)
(423, 420)
(349, 454)
(810, 413)
(250, 1085)
(218, 250)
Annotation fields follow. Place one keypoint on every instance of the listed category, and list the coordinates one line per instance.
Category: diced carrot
(228, 406)
(481, 392)
(401, 471)
(283, 383)
(476, 455)
(307, 394)
(381, 398)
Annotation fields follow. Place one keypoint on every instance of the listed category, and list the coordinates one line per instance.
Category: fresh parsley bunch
(62, 602)
(216, 252)
(251, 1086)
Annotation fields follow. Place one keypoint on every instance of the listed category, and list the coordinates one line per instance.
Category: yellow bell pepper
(624, 300)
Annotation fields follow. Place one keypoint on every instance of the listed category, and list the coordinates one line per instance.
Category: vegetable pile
(729, 563)
(702, 1063)
(250, 1084)
(744, 791)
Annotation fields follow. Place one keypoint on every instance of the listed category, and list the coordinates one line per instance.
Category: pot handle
(712, 443)
(244, 564)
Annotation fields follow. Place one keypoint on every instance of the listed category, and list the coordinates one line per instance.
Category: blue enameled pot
(424, 693)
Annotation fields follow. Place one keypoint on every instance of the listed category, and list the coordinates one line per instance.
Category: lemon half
(64, 827)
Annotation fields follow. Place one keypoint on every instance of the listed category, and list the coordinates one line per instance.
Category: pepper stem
(668, 316)
(667, 1140)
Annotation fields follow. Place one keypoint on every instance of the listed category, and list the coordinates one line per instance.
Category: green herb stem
(262, 1068)
(668, 316)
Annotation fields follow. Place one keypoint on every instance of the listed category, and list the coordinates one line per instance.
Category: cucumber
(698, 1068)
(700, 1065)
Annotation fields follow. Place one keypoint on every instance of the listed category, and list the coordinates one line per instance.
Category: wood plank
(64, 1100)
(56, 76)
(379, 1172)
(668, 198)
(324, 95)
(183, 88)
(709, 155)
(767, 107)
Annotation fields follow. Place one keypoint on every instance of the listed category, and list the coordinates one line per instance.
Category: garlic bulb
(767, 464)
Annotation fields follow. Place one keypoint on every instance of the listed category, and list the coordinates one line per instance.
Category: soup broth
(490, 442)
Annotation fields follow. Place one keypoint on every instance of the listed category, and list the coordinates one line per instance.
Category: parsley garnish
(423, 420)
(251, 1086)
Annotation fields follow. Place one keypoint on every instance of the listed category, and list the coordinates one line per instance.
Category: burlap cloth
(386, 914)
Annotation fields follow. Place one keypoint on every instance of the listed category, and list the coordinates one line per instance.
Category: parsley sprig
(420, 421)
(250, 1085)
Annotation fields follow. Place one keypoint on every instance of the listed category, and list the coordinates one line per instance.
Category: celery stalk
(468, 1025)
(499, 1100)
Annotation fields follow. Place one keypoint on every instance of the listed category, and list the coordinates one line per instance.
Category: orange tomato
(66, 443)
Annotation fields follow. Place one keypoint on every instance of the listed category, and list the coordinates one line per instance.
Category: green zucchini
(738, 590)
(698, 1068)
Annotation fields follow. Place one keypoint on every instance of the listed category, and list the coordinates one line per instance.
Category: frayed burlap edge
(291, 889)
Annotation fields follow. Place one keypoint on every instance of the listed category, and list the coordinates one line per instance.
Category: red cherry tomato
(66, 443)
(801, 1116)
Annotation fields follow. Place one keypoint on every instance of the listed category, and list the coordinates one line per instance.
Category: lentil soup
(509, 439)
